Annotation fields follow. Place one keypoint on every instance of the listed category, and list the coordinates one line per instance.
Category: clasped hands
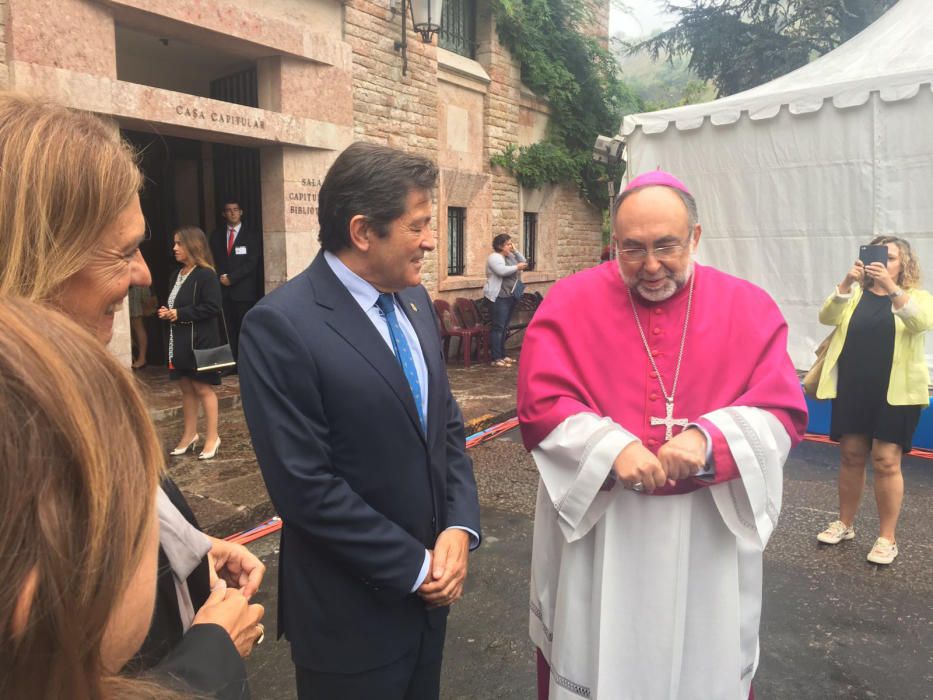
(167, 314)
(679, 458)
(447, 569)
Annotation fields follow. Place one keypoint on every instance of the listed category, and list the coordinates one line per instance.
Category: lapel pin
(413, 307)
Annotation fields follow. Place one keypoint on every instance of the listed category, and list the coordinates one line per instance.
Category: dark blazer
(362, 491)
(199, 304)
(205, 660)
(240, 267)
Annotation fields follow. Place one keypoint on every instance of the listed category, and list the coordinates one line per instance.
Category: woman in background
(194, 308)
(876, 374)
(503, 274)
(138, 298)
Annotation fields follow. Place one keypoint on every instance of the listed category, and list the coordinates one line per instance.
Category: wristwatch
(896, 293)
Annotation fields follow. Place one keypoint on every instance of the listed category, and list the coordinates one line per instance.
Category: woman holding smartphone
(876, 374)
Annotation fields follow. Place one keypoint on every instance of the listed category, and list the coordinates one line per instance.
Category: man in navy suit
(235, 248)
(360, 441)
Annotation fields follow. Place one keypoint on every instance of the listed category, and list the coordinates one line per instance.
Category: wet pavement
(833, 626)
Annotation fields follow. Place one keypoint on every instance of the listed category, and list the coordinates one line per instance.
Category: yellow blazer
(910, 377)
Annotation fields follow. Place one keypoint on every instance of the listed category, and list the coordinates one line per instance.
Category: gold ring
(262, 633)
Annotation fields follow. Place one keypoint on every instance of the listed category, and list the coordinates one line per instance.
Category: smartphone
(869, 254)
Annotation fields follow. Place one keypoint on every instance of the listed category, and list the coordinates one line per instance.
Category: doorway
(186, 183)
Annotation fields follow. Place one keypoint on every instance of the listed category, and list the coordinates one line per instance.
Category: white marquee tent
(790, 177)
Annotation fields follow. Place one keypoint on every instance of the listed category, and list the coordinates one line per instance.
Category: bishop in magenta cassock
(659, 403)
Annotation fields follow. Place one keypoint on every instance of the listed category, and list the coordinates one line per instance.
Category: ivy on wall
(579, 79)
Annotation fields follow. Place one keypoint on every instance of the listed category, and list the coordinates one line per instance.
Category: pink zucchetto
(656, 178)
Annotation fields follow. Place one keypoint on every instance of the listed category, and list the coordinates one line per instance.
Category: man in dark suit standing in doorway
(236, 255)
(360, 442)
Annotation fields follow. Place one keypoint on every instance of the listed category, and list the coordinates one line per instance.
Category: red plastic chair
(470, 318)
(451, 328)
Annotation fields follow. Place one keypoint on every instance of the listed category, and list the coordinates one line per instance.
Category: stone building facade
(233, 98)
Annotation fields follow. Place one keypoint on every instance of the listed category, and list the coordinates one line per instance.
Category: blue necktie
(386, 304)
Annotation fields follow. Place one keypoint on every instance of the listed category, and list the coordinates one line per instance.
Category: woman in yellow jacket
(876, 374)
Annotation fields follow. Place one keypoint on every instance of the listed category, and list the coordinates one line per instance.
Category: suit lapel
(349, 321)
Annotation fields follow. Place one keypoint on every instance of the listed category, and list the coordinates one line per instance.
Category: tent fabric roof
(893, 56)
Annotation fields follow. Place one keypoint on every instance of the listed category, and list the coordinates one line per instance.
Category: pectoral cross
(669, 421)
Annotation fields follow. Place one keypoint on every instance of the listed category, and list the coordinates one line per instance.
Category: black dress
(861, 404)
(198, 303)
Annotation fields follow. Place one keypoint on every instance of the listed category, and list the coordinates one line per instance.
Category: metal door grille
(239, 88)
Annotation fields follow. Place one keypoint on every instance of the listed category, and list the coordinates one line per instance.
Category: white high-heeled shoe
(210, 455)
(177, 452)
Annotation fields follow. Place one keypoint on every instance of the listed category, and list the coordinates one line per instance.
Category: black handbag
(211, 359)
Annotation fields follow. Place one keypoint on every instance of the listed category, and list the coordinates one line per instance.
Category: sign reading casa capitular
(219, 117)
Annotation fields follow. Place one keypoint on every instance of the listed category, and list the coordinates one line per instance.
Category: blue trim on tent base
(820, 413)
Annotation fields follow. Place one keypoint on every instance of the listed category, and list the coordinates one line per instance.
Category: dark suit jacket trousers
(198, 304)
(244, 282)
(361, 489)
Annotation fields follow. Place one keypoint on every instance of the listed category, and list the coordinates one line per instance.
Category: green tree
(739, 44)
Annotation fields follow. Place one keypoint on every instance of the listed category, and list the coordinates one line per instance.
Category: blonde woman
(194, 308)
(876, 374)
(78, 526)
(70, 229)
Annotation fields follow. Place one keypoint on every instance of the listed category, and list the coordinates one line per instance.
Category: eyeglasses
(666, 252)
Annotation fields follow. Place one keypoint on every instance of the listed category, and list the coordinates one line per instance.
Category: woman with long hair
(78, 526)
(876, 374)
(193, 309)
(70, 230)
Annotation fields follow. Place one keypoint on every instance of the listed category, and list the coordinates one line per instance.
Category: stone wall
(388, 107)
(431, 110)
(580, 227)
(503, 103)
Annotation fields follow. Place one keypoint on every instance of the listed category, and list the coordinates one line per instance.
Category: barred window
(530, 239)
(456, 217)
(458, 27)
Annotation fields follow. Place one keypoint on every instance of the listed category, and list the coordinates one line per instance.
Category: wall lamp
(425, 19)
(610, 151)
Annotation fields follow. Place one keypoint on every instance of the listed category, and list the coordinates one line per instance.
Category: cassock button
(653, 375)
(652, 442)
(658, 312)
(653, 397)
(655, 353)
(656, 331)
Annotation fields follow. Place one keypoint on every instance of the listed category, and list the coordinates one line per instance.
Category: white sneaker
(836, 532)
(883, 552)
